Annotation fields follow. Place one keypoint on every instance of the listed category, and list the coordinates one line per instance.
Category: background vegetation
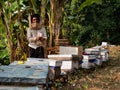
(83, 22)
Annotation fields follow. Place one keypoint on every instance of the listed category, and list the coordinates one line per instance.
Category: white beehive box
(98, 60)
(54, 66)
(89, 56)
(105, 55)
(104, 44)
(86, 61)
(98, 47)
(95, 51)
(73, 50)
(69, 62)
(69, 65)
(86, 64)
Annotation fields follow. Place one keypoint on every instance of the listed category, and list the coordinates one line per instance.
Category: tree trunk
(43, 6)
(55, 18)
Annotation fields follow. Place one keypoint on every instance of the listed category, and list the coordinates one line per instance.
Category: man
(36, 35)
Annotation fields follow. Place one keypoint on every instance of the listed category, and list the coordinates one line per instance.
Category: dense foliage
(4, 51)
(94, 24)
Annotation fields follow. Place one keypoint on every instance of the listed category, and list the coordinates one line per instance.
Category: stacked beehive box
(54, 67)
(88, 61)
(104, 54)
(70, 57)
(94, 56)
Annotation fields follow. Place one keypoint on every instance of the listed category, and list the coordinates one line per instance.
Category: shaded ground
(105, 77)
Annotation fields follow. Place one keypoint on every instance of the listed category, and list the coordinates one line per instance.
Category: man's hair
(35, 15)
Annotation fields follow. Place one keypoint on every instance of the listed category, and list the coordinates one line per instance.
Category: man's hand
(41, 38)
(36, 38)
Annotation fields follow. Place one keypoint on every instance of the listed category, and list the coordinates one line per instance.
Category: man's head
(35, 21)
(35, 18)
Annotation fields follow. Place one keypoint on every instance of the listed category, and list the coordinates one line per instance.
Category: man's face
(34, 22)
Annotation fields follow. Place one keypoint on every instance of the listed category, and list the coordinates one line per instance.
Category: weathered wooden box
(59, 42)
(54, 72)
(54, 68)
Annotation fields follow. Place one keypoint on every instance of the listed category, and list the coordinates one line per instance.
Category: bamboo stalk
(29, 19)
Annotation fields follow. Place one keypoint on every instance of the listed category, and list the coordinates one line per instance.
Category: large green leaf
(89, 2)
(4, 53)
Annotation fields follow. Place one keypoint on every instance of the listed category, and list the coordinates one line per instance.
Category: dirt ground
(104, 77)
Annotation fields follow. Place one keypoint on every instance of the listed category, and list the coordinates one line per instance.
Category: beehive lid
(19, 88)
(23, 74)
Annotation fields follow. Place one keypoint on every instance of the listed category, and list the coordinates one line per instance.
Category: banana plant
(55, 14)
(11, 14)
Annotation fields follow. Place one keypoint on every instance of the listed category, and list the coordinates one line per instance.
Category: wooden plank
(89, 56)
(63, 42)
(54, 72)
(95, 51)
(51, 62)
(63, 57)
(20, 88)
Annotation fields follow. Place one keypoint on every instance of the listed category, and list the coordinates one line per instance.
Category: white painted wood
(105, 55)
(74, 50)
(20, 88)
(54, 66)
(63, 57)
(69, 65)
(95, 51)
(52, 62)
(89, 56)
(86, 64)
